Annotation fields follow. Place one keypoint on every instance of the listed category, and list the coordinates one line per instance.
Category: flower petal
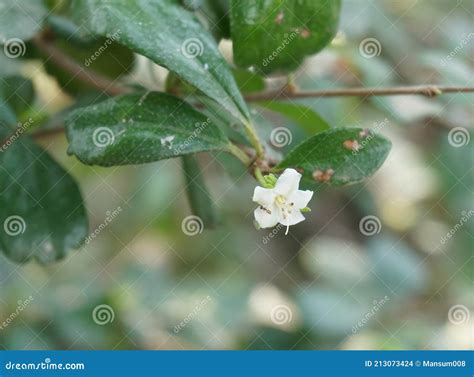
(300, 198)
(292, 218)
(287, 182)
(263, 196)
(266, 217)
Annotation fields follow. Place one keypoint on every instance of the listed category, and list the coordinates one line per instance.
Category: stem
(240, 154)
(253, 138)
(259, 176)
(425, 90)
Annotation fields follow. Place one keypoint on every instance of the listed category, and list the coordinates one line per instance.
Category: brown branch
(75, 69)
(45, 44)
(425, 90)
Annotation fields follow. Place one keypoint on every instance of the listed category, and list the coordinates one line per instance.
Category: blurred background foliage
(328, 277)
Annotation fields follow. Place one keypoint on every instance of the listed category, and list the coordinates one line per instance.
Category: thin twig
(425, 90)
(110, 87)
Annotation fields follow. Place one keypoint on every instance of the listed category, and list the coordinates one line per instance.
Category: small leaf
(42, 215)
(140, 128)
(198, 195)
(339, 156)
(172, 37)
(20, 20)
(309, 120)
(275, 35)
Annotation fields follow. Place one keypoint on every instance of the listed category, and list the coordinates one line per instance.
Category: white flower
(282, 203)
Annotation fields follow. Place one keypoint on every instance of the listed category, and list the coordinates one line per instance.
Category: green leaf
(20, 20)
(214, 14)
(18, 93)
(198, 195)
(139, 128)
(248, 82)
(332, 156)
(170, 36)
(275, 35)
(41, 210)
(309, 120)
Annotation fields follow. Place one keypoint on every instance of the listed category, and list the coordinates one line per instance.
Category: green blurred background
(143, 283)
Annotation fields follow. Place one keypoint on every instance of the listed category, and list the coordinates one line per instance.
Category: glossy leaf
(171, 36)
(20, 20)
(339, 156)
(309, 120)
(41, 210)
(273, 35)
(139, 128)
(198, 194)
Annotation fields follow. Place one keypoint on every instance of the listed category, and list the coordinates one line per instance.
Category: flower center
(280, 199)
